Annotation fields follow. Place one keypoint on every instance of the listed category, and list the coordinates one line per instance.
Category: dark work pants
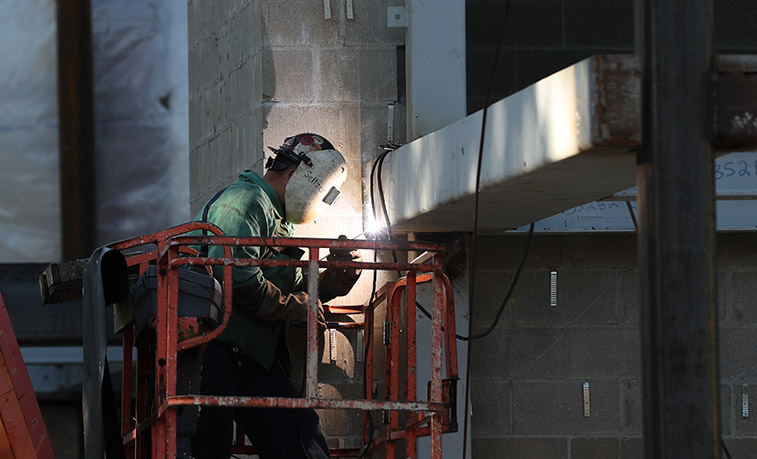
(275, 433)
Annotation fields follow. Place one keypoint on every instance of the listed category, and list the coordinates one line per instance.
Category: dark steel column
(77, 131)
(679, 329)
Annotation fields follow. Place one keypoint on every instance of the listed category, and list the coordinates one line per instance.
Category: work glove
(276, 306)
(334, 282)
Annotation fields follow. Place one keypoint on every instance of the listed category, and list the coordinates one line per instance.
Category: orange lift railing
(150, 427)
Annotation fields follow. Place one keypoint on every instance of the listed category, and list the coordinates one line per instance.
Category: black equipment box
(199, 296)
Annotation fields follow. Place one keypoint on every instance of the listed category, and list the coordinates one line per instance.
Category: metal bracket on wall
(745, 401)
(332, 344)
(327, 9)
(390, 123)
(350, 11)
(396, 16)
(553, 288)
(587, 403)
(359, 347)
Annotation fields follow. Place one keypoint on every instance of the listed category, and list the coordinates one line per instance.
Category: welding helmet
(316, 182)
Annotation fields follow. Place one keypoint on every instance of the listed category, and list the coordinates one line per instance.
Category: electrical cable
(633, 216)
(504, 302)
(475, 224)
(725, 448)
(379, 162)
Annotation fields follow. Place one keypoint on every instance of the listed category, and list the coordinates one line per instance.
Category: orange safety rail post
(23, 433)
(410, 445)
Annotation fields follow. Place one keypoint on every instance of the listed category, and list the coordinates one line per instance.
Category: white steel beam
(563, 141)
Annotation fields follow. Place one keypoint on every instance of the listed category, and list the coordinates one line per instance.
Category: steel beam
(564, 141)
(77, 129)
(679, 330)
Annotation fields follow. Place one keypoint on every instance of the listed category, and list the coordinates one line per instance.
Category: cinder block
(628, 296)
(735, 26)
(630, 407)
(489, 355)
(519, 448)
(534, 353)
(631, 448)
(342, 423)
(284, 121)
(736, 251)
(490, 290)
(557, 408)
(737, 354)
(372, 124)
(583, 297)
(611, 251)
(600, 23)
(479, 62)
(742, 447)
(603, 353)
(298, 23)
(490, 405)
(594, 447)
(506, 252)
(528, 23)
(288, 75)
(247, 147)
(741, 292)
(340, 362)
(730, 409)
(358, 74)
(369, 25)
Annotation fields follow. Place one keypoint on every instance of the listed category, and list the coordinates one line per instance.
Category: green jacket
(250, 207)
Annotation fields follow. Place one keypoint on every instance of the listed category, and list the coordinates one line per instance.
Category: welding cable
(633, 216)
(475, 221)
(504, 302)
(379, 164)
(367, 345)
(725, 448)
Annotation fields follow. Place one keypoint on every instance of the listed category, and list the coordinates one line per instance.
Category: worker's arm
(239, 212)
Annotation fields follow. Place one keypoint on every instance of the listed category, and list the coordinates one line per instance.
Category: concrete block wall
(528, 374)
(334, 77)
(544, 36)
(225, 87)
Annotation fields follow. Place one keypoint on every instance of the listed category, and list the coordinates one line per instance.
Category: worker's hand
(334, 282)
(345, 254)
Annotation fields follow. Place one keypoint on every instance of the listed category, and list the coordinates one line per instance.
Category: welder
(252, 357)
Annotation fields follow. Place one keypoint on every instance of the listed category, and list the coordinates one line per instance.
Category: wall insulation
(141, 138)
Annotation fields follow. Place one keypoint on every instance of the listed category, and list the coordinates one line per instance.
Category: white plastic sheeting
(141, 133)
(29, 206)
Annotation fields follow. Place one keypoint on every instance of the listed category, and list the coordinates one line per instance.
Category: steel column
(76, 133)
(679, 328)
